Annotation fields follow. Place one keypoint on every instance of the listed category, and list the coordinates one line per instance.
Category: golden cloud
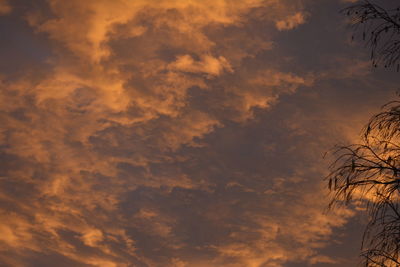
(113, 142)
(5, 7)
(291, 22)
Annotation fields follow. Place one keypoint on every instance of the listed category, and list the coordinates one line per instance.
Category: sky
(179, 133)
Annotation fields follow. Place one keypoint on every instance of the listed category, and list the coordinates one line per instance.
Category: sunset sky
(179, 133)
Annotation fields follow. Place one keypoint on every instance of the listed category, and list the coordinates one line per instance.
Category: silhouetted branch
(370, 172)
(380, 29)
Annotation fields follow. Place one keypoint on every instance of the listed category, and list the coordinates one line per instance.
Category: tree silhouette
(369, 172)
(380, 30)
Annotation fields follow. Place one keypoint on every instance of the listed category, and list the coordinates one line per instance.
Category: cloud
(207, 64)
(291, 22)
(159, 134)
(5, 7)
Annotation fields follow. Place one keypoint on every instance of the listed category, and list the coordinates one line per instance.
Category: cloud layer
(169, 133)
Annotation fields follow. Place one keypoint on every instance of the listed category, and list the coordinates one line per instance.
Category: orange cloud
(111, 152)
(207, 64)
(5, 7)
(291, 22)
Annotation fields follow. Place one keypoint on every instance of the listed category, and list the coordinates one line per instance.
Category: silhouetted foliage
(369, 173)
(380, 30)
